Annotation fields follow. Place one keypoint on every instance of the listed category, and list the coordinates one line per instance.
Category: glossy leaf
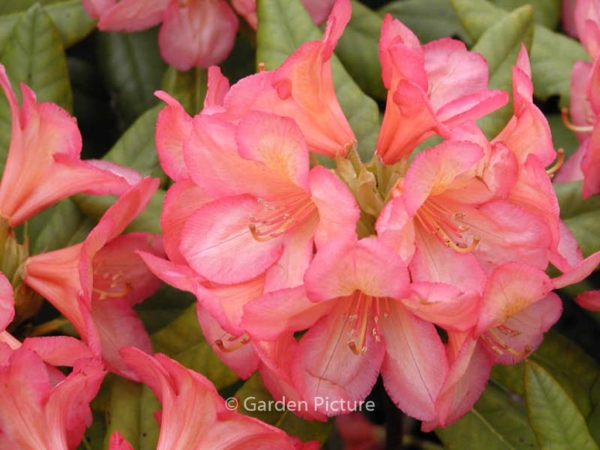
(33, 54)
(498, 421)
(575, 370)
(183, 341)
(253, 396)
(555, 419)
(131, 412)
(136, 148)
(57, 227)
(428, 19)
(552, 54)
(133, 68)
(148, 220)
(68, 16)
(500, 45)
(285, 25)
(189, 88)
(545, 12)
(163, 307)
(581, 216)
(358, 50)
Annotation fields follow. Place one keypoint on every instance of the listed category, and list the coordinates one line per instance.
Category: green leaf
(133, 67)
(68, 16)
(545, 12)
(358, 50)
(552, 54)
(183, 341)
(500, 45)
(71, 21)
(498, 421)
(130, 411)
(556, 420)
(285, 25)
(136, 149)
(59, 226)
(33, 54)
(561, 136)
(428, 19)
(189, 88)
(148, 220)
(254, 400)
(163, 307)
(574, 369)
(579, 215)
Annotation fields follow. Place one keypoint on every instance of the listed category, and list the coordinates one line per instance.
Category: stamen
(499, 346)
(439, 220)
(106, 294)
(361, 308)
(109, 284)
(280, 215)
(261, 67)
(564, 114)
(229, 343)
(560, 158)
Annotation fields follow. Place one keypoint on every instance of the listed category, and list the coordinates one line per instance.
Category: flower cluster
(424, 266)
(194, 33)
(94, 284)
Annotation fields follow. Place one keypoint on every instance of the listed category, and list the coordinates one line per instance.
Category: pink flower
(194, 415)
(358, 326)
(585, 103)
(194, 33)
(269, 207)
(43, 164)
(301, 89)
(39, 406)
(95, 284)
(431, 89)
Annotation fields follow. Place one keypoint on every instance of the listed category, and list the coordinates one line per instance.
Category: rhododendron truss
(426, 269)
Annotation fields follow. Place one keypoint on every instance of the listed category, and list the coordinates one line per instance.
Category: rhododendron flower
(431, 89)
(194, 33)
(195, 416)
(269, 207)
(585, 103)
(43, 164)
(39, 406)
(357, 327)
(301, 89)
(95, 284)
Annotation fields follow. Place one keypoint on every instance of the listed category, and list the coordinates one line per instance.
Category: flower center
(450, 227)
(362, 308)
(495, 339)
(280, 215)
(110, 284)
(229, 343)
